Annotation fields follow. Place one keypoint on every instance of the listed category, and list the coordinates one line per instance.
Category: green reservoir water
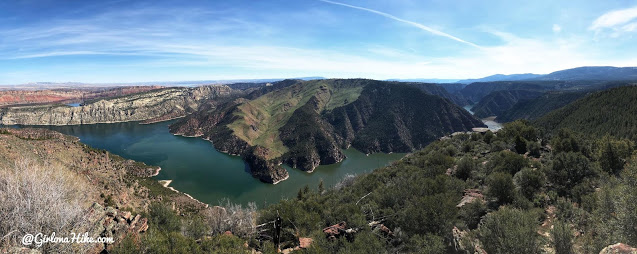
(198, 169)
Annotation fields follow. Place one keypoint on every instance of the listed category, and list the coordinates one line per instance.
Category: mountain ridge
(501, 77)
(499, 101)
(306, 123)
(578, 73)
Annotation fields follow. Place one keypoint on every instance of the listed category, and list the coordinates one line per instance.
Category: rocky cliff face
(308, 123)
(397, 119)
(311, 140)
(156, 104)
(29, 96)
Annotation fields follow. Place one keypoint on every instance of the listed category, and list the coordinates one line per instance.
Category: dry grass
(232, 217)
(36, 198)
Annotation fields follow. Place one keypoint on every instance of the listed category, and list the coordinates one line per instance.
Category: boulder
(305, 242)
(377, 226)
(111, 212)
(126, 215)
(470, 195)
(619, 248)
(335, 230)
(142, 225)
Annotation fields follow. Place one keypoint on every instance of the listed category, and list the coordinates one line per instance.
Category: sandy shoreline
(166, 184)
(156, 172)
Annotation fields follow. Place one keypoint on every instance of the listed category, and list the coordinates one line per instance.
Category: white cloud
(630, 27)
(613, 19)
(222, 52)
(557, 28)
(516, 55)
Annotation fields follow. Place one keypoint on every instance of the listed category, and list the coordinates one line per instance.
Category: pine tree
(299, 195)
(520, 145)
(609, 158)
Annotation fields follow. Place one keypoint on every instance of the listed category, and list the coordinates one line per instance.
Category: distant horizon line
(257, 80)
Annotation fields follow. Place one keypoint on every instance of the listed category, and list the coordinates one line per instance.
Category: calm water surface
(489, 122)
(77, 104)
(208, 175)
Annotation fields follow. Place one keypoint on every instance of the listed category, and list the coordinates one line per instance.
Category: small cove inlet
(489, 121)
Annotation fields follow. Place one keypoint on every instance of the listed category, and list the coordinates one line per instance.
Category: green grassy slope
(260, 120)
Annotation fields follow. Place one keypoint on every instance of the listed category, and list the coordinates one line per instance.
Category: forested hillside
(499, 101)
(538, 107)
(511, 192)
(442, 90)
(612, 111)
(476, 91)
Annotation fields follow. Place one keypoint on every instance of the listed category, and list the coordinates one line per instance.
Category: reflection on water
(492, 124)
(468, 108)
(489, 121)
(208, 175)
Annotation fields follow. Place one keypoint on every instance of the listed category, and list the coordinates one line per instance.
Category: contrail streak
(420, 26)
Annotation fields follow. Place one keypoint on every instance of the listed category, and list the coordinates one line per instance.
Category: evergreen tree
(610, 160)
(466, 165)
(562, 238)
(520, 145)
(501, 187)
(568, 170)
(510, 231)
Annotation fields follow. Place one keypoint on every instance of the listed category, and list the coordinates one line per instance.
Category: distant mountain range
(607, 73)
(593, 73)
(501, 77)
(55, 85)
(534, 97)
(427, 80)
(580, 73)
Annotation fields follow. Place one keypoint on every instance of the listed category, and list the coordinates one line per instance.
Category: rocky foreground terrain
(155, 105)
(50, 182)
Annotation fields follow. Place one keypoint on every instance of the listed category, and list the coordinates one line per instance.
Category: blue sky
(135, 41)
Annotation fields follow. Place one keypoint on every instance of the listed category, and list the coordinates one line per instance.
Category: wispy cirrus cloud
(125, 33)
(617, 21)
(411, 23)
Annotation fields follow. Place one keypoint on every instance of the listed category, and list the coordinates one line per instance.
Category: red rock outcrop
(619, 248)
(23, 97)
